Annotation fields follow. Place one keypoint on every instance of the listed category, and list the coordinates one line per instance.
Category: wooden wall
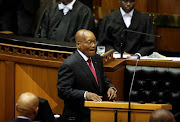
(40, 80)
(170, 39)
(6, 90)
(114, 4)
(29, 70)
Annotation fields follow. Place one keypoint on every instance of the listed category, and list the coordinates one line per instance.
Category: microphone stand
(158, 36)
(124, 39)
(130, 90)
(121, 44)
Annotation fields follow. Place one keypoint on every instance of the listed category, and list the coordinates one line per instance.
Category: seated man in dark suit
(81, 77)
(27, 107)
(45, 113)
(161, 115)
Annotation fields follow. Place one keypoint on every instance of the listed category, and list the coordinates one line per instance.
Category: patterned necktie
(92, 70)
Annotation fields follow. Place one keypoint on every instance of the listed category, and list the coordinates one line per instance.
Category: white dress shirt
(127, 17)
(127, 20)
(67, 7)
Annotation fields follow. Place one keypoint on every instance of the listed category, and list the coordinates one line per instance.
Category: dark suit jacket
(45, 113)
(74, 78)
(19, 120)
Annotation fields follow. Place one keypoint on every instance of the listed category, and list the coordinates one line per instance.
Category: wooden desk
(105, 111)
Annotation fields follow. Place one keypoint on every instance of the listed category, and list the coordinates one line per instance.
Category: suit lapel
(85, 68)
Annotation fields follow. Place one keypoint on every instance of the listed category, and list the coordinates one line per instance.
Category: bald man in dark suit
(77, 82)
(26, 107)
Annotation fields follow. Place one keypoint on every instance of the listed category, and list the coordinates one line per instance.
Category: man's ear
(36, 111)
(16, 107)
(78, 45)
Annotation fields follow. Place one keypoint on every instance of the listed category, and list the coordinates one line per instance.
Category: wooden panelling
(152, 6)
(2, 90)
(117, 79)
(105, 111)
(170, 39)
(97, 2)
(21, 72)
(114, 4)
(141, 5)
(6, 90)
(9, 89)
(169, 6)
(40, 81)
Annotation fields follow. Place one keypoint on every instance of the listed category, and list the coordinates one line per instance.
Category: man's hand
(111, 94)
(93, 97)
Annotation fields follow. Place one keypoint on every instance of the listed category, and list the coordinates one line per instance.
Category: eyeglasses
(131, 1)
(90, 43)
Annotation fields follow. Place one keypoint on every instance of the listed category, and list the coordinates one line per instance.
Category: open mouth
(92, 50)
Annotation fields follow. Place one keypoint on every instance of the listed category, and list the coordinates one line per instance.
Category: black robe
(112, 26)
(18, 16)
(54, 25)
(89, 3)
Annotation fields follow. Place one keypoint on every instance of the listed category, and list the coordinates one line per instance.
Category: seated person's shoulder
(112, 18)
(84, 8)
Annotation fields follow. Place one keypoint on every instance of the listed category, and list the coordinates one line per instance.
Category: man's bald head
(27, 105)
(86, 42)
(80, 35)
(161, 115)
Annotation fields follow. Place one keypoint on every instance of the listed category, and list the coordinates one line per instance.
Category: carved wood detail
(108, 56)
(33, 52)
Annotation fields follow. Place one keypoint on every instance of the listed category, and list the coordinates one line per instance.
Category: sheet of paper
(118, 55)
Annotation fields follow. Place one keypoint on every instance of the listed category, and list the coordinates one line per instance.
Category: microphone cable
(130, 90)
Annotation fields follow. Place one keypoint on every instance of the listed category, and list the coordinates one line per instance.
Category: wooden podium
(106, 111)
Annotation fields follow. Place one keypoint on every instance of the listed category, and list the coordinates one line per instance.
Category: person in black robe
(60, 25)
(89, 3)
(111, 31)
(18, 16)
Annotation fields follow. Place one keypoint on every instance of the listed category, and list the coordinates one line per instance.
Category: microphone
(137, 32)
(138, 57)
(130, 90)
